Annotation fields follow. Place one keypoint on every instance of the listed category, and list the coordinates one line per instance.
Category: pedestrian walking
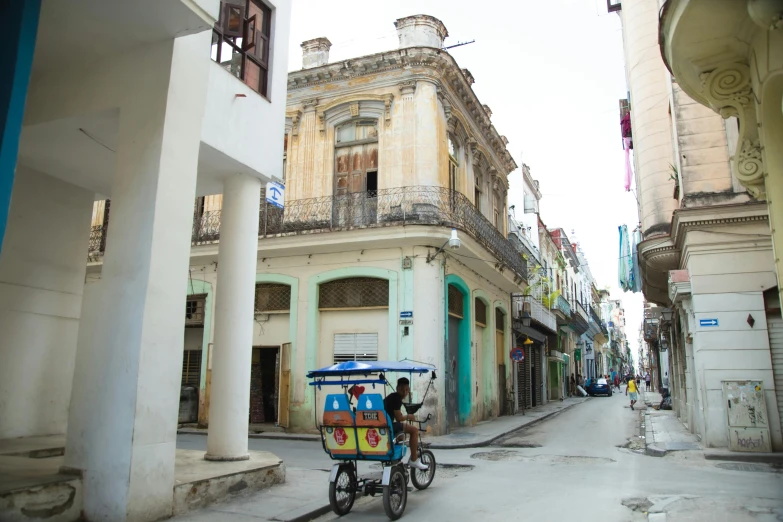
(573, 385)
(616, 381)
(630, 389)
(647, 380)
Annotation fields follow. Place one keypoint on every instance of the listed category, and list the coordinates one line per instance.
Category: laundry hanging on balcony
(628, 172)
(637, 275)
(625, 263)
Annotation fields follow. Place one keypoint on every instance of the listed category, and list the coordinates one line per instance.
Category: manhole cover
(497, 455)
(746, 466)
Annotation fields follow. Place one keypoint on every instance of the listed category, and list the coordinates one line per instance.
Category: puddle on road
(515, 456)
(442, 470)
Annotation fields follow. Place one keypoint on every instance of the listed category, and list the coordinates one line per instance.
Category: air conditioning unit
(518, 308)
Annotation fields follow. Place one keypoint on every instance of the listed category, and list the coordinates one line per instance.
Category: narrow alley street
(574, 466)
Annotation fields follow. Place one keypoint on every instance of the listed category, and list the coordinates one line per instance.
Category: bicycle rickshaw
(356, 427)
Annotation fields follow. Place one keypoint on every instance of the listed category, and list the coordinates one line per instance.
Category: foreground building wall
(706, 246)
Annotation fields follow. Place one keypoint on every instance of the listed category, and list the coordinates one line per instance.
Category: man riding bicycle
(393, 405)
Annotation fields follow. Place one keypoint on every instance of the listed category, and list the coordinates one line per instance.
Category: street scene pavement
(586, 463)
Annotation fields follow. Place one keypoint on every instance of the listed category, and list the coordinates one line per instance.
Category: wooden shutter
(284, 389)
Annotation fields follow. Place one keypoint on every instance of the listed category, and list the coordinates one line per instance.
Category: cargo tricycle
(356, 427)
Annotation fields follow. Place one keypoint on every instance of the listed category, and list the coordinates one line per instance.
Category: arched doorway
(457, 363)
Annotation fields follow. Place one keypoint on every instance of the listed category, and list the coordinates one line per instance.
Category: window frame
(257, 52)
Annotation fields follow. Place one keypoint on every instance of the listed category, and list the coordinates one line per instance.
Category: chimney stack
(315, 52)
(421, 31)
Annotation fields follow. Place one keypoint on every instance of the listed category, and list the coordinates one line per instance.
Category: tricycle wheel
(395, 495)
(422, 479)
(342, 491)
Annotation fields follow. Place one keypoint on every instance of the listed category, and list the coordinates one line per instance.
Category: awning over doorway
(534, 334)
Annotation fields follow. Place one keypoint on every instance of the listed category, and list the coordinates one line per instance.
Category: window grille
(272, 298)
(481, 313)
(191, 368)
(194, 310)
(455, 302)
(356, 292)
(500, 320)
(355, 347)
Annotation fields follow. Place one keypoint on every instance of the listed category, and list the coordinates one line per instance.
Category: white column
(122, 423)
(234, 307)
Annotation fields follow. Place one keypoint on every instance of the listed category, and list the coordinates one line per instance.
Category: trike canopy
(367, 368)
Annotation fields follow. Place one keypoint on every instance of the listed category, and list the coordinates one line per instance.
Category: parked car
(599, 387)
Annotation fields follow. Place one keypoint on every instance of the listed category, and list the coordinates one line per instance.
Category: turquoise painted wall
(18, 31)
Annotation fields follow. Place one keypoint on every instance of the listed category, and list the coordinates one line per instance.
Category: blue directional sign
(406, 315)
(275, 194)
(708, 322)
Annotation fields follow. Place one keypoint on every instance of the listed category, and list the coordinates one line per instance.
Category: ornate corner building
(699, 125)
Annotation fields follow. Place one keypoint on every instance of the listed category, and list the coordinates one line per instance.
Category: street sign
(404, 315)
(275, 194)
(517, 354)
(708, 322)
(406, 322)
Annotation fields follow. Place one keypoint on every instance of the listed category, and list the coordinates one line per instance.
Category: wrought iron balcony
(418, 205)
(562, 305)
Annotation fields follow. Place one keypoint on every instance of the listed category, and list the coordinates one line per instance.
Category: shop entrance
(264, 384)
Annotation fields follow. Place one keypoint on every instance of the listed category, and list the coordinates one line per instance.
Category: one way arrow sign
(708, 322)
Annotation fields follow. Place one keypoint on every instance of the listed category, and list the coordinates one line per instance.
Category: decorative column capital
(729, 91)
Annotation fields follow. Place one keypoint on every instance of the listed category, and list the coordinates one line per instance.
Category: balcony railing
(562, 304)
(582, 312)
(542, 314)
(433, 206)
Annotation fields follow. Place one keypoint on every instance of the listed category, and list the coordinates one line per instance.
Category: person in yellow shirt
(631, 388)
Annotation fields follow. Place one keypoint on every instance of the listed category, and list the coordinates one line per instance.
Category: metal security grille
(355, 347)
(455, 302)
(537, 373)
(356, 292)
(272, 298)
(523, 382)
(194, 310)
(191, 368)
(481, 313)
(500, 320)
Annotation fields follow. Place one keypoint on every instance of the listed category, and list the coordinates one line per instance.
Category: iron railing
(418, 205)
(97, 244)
(542, 314)
(562, 304)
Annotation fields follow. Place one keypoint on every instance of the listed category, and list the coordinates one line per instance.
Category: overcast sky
(552, 72)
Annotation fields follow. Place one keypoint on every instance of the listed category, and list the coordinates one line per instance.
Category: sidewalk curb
(764, 458)
(487, 442)
(269, 435)
(307, 517)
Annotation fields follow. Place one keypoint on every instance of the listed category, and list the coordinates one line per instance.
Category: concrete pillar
(18, 29)
(234, 301)
(122, 423)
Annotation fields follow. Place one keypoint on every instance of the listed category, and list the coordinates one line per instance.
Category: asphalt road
(574, 467)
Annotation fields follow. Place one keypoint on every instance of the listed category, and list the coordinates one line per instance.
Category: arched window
(356, 158)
